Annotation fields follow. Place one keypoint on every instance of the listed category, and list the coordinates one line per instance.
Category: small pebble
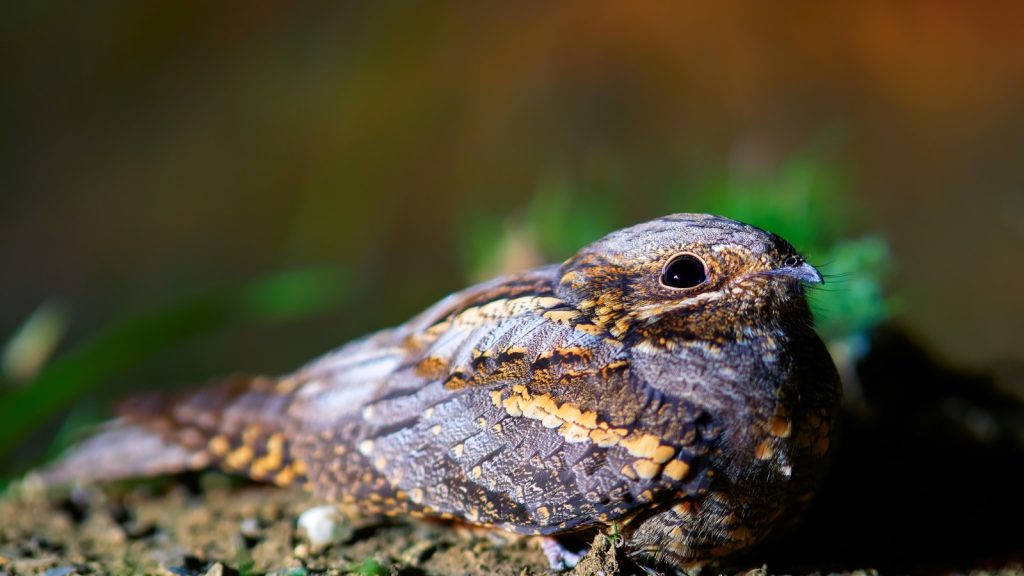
(250, 527)
(323, 526)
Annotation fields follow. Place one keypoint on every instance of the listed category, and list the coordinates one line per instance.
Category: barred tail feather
(122, 450)
(236, 424)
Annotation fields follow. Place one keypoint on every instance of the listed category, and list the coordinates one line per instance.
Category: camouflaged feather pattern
(697, 421)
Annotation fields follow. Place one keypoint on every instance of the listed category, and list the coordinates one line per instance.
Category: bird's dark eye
(791, 261)
(684, 271)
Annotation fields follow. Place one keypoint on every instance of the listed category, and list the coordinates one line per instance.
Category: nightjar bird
(665, 382)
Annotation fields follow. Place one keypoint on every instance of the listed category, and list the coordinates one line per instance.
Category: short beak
(802, 271)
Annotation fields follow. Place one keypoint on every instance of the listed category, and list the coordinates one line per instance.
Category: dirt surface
(220, 526)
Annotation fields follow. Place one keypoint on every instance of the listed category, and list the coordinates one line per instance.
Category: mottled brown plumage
(605, 392)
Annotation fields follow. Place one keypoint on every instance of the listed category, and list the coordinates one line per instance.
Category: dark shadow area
(928, 476)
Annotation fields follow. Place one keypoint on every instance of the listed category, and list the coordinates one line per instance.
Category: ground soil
(177, 527)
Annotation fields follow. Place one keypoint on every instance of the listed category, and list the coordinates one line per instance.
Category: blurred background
(192, 189)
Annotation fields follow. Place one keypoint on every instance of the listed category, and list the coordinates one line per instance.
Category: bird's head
(688, 276)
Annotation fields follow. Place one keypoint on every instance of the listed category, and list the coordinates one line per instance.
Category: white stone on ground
(323, 526)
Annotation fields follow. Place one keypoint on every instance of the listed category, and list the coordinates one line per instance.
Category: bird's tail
(238, 424)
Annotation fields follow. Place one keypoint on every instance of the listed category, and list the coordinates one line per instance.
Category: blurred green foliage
(369, 567)
(33, 343)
